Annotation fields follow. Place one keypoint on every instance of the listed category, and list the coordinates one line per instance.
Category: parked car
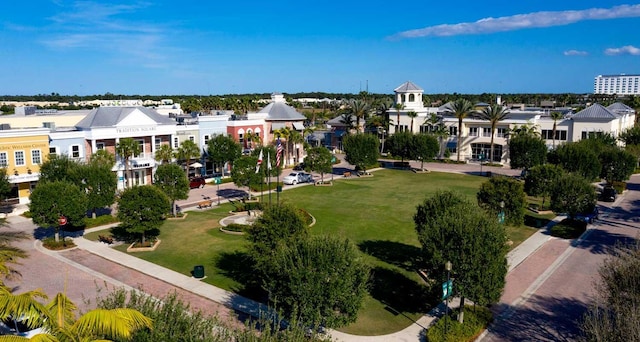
(297, 177)
(299, 167)
(588, 217)
(608, 194)
(197, 182)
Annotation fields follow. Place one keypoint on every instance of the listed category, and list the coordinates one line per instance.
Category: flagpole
(269, 175)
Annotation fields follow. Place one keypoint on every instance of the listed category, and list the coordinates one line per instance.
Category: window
(486, 131)
(3, 159)
(100, 146)
(141, 144)
(206, 139)
(35, 157)
(547, 134)
(483, 149)
(157, 144)
(453, 131)
(501, 132)
(192, 138)
(176, 142)
(53, 150)
(473, 131)
(75, 151)
(19, 156)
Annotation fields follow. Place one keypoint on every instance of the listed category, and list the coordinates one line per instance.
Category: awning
(298, 126)
(196, 165)
(276, 126)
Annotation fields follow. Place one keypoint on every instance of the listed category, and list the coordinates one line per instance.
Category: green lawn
(376, 213)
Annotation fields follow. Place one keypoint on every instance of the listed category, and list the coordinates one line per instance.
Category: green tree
(361, 150)
(359, 109)
(460, 108)
(318, 160)
(424, 147)
(284, 133)
(295, 138)
(60, 168)
(59, 319)
(164, 154)
(555, 116)
(572, 194)
(127, 148)
(526, 151)
(100, 184)
(186, 151)
(501, 190)
(450, 228)
(349, 124)
(279, 225)
(617, 164)
(103, 157)
(630, 136)
(320, 280)
(541, 179)
(244, 172)
(400, 145)
(613, 315)
(494, 114)
(398, 107)
(142, 209)
(412, 115)
(581, 159)
(5, 186)
(222, 148)
(171, 180)
(51, 200)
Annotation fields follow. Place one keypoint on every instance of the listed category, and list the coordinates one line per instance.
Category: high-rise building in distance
(617, 84)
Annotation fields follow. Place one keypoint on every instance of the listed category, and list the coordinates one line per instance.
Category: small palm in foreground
(59, 321)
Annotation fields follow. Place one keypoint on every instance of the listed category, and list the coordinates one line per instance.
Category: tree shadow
(399, 293)
(604, 242)
(536, 222)
(395, 253)
(120, 233)
(540, 319)
(239, 266)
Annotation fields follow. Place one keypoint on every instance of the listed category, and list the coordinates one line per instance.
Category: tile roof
(111, 116)
(407, 86)
(595, 111)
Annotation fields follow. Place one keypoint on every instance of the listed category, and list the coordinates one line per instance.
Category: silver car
(297, 177)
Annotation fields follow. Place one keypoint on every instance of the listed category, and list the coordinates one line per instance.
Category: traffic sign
(62, 220)
(447, 289)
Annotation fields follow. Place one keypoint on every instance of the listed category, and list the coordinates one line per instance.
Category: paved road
(548, 294)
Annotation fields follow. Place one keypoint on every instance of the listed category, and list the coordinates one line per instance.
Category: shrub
(476, 319)
(236, 227)
(50, 243)
(619, 186)
(27, 214)
(568, 229)
(99, 221)
(306, 216)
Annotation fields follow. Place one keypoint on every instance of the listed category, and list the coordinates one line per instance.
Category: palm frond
(63, 310)
(116, 323)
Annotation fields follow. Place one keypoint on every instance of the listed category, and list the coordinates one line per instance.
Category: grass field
(376, 213)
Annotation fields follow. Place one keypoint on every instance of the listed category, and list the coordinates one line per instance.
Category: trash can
(198, 271)
(279, 188)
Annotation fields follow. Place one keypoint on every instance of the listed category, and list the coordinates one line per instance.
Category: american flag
(278, 152)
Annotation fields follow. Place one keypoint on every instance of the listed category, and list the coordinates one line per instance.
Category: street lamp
(447, 267)
(501, 215)
(382, 131)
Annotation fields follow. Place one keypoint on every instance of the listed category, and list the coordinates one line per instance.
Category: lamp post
(382, 131)
(501, 215)
(447, 267)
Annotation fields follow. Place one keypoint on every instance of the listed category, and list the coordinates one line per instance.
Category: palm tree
(296, 138)
(187, 151)
(555, 116)
(284, 133)
(412, 114)
(441, 132)
(359, 109)
(164, 153)
(127, 148)
(493, 114)
(347, 120)
(9, 254)
(460, 108)
(59, 321)
(398, 107)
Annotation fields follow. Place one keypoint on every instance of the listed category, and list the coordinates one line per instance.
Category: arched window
(412, 98)
(403, 98)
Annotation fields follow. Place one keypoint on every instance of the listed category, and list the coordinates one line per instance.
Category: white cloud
(625, 50)
(575, 53)
(523, 21)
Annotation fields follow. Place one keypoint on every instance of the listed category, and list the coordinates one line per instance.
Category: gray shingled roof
(111, 116)
(407, 86)
(280, 111)
(620, 107)
(597, 112)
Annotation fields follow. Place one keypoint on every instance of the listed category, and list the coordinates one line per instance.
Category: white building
(617, 84)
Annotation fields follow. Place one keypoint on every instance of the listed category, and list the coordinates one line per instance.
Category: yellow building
(21, 153)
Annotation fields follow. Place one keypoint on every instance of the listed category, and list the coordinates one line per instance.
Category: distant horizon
(92, 47)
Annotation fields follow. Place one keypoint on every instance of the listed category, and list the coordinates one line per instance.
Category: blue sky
(223, 47)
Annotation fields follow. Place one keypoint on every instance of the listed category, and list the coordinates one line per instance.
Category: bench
(205, 204)
(347, 174)
(106, 239)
